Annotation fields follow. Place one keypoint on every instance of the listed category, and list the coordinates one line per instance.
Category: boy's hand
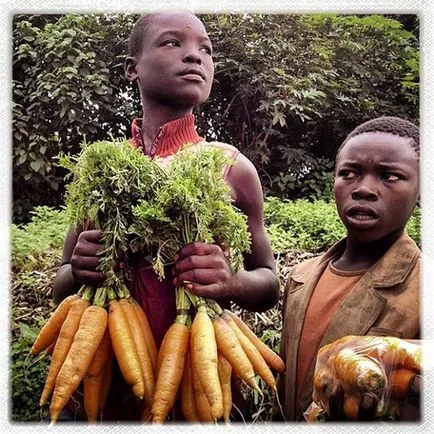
(367, 408)
(85, 260)
(411, 405)
(410, 409)
(204, 270)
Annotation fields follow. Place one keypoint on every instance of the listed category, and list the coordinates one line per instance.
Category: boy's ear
(130, 68)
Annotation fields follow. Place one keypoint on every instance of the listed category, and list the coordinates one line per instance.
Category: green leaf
(36, 165)
(28, 333)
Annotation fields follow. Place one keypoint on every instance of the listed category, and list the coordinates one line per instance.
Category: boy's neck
(363, 255)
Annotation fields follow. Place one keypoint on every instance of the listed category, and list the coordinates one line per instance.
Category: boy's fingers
(197, 249)
(367, 407)
(411, 404)
(336, 404)
(93, 235)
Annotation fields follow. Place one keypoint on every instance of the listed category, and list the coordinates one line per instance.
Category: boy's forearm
(64, 283)
(256, 290)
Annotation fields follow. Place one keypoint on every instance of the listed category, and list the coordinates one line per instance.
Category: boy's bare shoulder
(222, 145)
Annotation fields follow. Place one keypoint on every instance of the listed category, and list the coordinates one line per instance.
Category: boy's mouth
(362, 215)
(193, 74)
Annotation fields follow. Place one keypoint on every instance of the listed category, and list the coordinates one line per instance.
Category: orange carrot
(63, 344)
(272, 359)
(101, 356)
(398, 382)
(106, 382)
(230, 347)
(188, 404)
(125, 349)
(92, 389)
(94, 377)
(358, 371)
(205, 359)
(144, 323)
(259, 364)
(173, 351)
(141, 348)
(51, 329)
(225, 373)
(202, 405)
(93, 324)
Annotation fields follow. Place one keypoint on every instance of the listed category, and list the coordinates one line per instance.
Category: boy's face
(376, 185)
(175, 67)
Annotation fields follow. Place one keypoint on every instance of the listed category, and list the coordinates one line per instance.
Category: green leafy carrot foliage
(193, 203)
(151, 209)
(109, 176)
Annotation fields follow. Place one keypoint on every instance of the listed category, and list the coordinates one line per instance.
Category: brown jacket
(385, 302)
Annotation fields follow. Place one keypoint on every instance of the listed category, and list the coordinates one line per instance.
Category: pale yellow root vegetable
(172, 358)
(225, 374)
(93, 324)
(205, 359)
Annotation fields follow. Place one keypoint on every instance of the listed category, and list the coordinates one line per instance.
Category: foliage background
(287, 90)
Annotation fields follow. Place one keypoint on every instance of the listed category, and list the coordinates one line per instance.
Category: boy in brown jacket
(368, 283)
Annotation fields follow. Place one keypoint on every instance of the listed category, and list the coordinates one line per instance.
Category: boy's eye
(390, 177)
(345, 173)
(171, 43)
(206, 49)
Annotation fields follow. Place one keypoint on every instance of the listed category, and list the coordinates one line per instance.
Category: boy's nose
(364, 191)
(192, 57)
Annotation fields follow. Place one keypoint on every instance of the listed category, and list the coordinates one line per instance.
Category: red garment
(331, 290)
(170, 137)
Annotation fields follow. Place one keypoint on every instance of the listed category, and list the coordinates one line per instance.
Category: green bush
(36, 251)
(46, 231)
(313, 226)
(302, 225)
(27, 378)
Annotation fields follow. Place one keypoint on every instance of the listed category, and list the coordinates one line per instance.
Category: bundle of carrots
(382, 366)
(86, 331)
(207, 353)
(154, 211)
(90, 328)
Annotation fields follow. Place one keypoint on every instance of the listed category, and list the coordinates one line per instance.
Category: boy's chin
(367, 237)
(188, 99)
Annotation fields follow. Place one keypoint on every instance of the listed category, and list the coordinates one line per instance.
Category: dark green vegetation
(288, 88)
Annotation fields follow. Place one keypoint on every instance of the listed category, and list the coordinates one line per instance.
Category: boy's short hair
(388, 124)
(138, 33)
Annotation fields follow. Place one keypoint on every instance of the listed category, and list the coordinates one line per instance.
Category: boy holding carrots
(368, 283)
(170, 58)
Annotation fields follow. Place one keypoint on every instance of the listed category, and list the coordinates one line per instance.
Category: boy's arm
(256, 288)
(79, 262)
